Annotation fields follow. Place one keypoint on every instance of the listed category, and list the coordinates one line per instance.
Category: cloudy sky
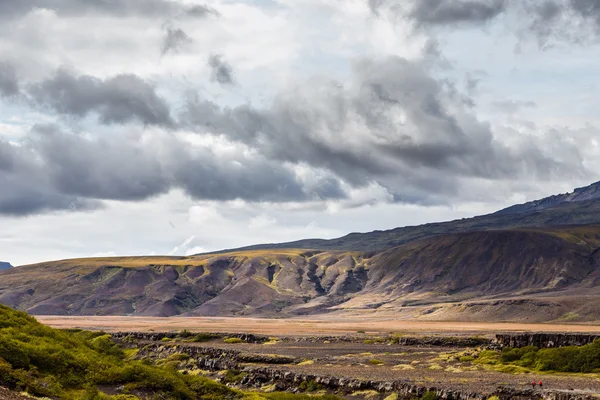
(136, 127)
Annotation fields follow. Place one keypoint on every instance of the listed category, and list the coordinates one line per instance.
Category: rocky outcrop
(287, 380)
(212, 359)
(158, 336)
(445, 341)
(544, 340)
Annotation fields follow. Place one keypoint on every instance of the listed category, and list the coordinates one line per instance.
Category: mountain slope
(537, 268)
(584, 194)
(567, 213)
(4, 265)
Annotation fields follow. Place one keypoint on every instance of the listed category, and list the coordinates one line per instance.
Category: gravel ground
(427, 365)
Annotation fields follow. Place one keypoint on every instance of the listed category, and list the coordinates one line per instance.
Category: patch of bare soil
(318, 325)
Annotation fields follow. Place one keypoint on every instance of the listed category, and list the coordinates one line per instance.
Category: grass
(71, 365)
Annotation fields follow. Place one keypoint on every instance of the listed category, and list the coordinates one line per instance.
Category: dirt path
(300, 327)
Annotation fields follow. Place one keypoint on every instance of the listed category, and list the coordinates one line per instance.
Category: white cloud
(274, 46)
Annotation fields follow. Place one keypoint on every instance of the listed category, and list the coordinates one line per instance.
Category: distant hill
(535, 262)
(560, 214)
(4, 265)
(584, 194)
(519, 274)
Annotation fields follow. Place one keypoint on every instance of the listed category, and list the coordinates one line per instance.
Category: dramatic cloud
(445, 12)
(67, 170)
(566, 20)
(120, 99)
(357, 115)
(116, 8)
(221, 71)
(392, 123)
(547, 20)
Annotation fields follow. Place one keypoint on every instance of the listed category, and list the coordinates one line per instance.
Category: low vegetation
(233, 340)
(73, 364)
(582, 359)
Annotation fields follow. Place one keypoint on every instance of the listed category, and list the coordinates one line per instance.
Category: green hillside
(59, 364)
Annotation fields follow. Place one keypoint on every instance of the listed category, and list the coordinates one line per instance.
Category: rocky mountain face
(478, 273)
(4, 265)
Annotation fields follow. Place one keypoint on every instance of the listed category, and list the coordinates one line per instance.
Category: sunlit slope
(497, 265)
(244, 282)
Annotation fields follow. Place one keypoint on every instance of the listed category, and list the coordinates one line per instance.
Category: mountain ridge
(507, 273)
(536, 262)
(563, 214)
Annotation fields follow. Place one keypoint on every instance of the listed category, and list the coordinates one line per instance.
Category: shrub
(202, 337)
(233, 340)
(429, 396)
(584, 359)
(185, 334)
(466, 359)
(376, 362)
(234, 376)
(309, 386)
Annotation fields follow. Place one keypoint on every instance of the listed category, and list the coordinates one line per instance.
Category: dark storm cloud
(221, 71)
(392, 123)
(120, 99)
(14, 9)
(446, 12)
(547, 20)
(568, 20)
(25, 186)
(174, 40)
(54, 170)
(9, 85)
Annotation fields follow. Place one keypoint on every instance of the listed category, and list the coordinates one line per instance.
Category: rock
(544, 340)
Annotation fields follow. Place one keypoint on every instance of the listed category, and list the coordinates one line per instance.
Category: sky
(159, 127)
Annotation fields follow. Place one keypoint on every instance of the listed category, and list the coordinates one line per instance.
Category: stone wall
(544, 340)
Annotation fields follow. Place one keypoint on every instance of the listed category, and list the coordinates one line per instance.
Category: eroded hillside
(477, 273)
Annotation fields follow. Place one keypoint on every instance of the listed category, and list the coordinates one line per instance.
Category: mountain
(563, 213)
(584, 194)
(4, 265)
(517, 274)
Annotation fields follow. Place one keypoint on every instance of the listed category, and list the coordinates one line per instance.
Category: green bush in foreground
(72, 364)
